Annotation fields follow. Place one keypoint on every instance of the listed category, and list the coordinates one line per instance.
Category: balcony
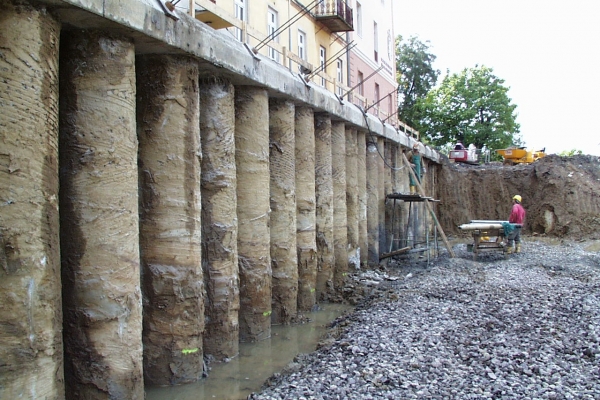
(208, 12)
(336, 15)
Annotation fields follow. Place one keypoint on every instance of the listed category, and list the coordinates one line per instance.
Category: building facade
(372, 61)
(346, 46)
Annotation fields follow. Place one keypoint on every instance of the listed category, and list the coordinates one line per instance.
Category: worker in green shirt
(414, 158)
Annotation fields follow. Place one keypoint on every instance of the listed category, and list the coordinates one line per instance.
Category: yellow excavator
(520, 155)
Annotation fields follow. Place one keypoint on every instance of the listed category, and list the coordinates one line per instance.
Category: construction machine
(520, 155)
(462, 155)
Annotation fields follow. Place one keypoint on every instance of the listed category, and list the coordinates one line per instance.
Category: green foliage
(415, 75)
(473, 107)
(570, 153)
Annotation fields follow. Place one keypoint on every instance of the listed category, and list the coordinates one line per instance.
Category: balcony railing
(335, 15)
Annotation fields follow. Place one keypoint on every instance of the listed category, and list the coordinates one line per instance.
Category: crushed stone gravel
(523, 328)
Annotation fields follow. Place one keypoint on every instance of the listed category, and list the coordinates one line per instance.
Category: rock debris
(523, 328)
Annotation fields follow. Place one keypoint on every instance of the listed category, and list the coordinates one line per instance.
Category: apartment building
(346, 46)
(372, 61)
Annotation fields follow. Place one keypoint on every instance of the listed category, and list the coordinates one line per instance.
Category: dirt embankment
(561, 195)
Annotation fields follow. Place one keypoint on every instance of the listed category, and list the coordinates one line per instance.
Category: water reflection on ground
(257, 361)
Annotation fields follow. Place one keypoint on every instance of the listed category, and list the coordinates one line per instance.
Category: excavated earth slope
(561, 195)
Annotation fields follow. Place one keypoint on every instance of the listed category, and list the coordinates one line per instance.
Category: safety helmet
(517, 198)
(416, 146)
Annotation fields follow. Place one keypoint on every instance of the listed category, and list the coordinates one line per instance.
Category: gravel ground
(523, 328)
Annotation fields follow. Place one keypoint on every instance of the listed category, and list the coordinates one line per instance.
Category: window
(375, 42)
(322, 58)
(361, 78)
(377, 97)
(272, 25)
(240, 13)
(358, 19)
(301, 44)
(361, 89)
(390, 46)
(340, 75)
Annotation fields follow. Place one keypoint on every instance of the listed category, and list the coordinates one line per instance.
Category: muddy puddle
(592, 246)
(257, 361)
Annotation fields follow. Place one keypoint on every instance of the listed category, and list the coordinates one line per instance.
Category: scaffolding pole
(437, 223)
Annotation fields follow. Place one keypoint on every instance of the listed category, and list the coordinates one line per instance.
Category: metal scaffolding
(401, 242)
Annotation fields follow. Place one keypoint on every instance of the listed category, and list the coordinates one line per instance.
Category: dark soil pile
(561, 195)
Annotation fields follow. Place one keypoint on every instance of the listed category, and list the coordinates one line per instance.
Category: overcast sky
(547, 51)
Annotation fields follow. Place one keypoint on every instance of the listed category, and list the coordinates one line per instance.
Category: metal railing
(337, 8)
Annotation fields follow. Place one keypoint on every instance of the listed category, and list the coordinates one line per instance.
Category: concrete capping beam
(220, 55)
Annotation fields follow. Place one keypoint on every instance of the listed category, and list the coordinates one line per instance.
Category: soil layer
(560, 194)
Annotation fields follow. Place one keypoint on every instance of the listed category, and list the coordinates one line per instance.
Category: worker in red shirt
(517, 217)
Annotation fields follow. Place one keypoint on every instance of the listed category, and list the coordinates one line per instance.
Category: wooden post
(412, 173)
(394, 253)
(192, 8)
(284, 57)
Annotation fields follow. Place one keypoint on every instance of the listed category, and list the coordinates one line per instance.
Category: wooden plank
(192, 8)
(218, 11)
(300, 61)
(394, 253)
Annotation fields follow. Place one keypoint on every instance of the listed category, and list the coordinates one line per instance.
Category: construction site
(168, 192)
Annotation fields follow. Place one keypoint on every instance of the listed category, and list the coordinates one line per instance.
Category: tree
(415, 75)
(473, 107)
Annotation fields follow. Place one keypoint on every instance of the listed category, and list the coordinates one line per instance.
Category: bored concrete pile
(305, 208)
(253, 208)
(99, 216)
(169, 143)
(31, 315)
(219, 219)
(284, 258)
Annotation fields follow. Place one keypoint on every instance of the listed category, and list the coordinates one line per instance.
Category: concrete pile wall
(204, 196)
